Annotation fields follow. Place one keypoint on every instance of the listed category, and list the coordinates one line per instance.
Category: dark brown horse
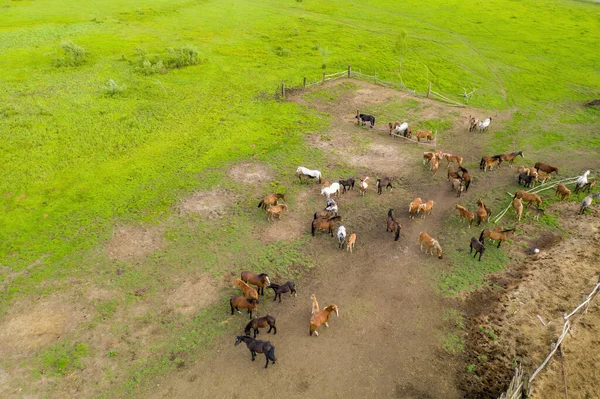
(466, 177)
(392, 225)
(325, 224)
(289, 286)
(259, 280)
(257, 346)
(477, 246)
(261, 322)
(384, 182)
(237, 302)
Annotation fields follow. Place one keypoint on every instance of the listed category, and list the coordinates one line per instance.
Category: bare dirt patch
(212, 204)
(26, 331)
(193, 294)
(251, 173)
(131, 243)
(547, 284)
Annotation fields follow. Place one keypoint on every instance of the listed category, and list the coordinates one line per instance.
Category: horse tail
(467, 186)
(373, 123)
(481, 236)
(397, 233)
(271, 354)
(312, 229)
(260, 203)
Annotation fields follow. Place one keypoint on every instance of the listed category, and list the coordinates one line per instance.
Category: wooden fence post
(525, 389)
(323, 80)
(304, 83)
(349, 70)
(428, 89)
(282, 90)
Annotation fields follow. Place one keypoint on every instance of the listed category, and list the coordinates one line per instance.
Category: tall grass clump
(74, 55)
(181, 57)
(112, 88)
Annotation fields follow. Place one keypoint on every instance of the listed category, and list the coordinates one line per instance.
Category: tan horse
(518, 207)
(276, 211)
(431, 244)
(247, 291)
(315, 304)
(528, 197)
(426, 208)
(481, 212)
(413, 208)
(424, 134)
(351, 242)
(322, 317)
(497, 235)
(465, 214)
(453, 158)
(563, 192)
(270, 199)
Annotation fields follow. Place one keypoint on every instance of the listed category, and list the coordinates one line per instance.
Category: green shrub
(112, 88)
(74, 55)
(181, 57)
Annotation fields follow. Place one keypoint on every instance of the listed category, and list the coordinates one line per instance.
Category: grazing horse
(465, 214)
(587, 202)
(363, 185)
(259, 280)
(307, 174)
(581, 181)
(333, 189)
(466, 177)
(257, 346)
(341, 236)
(431, 244)
(424, 134)
(453, 158)
(322, 317)
(484, 125)
(362, 119)
(481, 212)
(510, 157)
(528, 197)
(563, 192)
(544, 167)
(347, 184)
(473, 123)
(237, 302)
(270, 199)
(384, 182)
(261, 322)
(497, 235)
(392, 225)
(351, 242)
(276, 211)
(477, 246)
(518, 207)
(315, 304)
(325, 224)
(247, 291)
(289, 286)
(494, 160)
(413, 207)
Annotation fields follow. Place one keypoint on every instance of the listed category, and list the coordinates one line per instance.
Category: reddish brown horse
(325, 224)
(237, 302)
(322, 317)
(259, 280)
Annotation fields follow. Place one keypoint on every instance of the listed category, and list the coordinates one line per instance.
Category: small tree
(112, 88)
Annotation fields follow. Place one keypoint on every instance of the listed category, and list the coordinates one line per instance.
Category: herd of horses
(329, 221)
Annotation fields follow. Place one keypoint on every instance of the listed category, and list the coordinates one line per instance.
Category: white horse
(400, 129)
(483, 125)
(341, 235)
(334, 188)
(582, 181)
(311, 174)
(363, 185)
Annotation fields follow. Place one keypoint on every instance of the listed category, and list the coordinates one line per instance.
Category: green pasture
(80, 155)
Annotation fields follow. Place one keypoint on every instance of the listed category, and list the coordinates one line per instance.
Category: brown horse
(261, 322)
(563, 192)
(490, 161)
(322, 317)
(518, 207)
(431, 244)
(324, 214)
(466, 177)
(473, 123)
(247, 291)
(325, 224)
(270, 199)
(426, 209)
(465, 214)
(384, 182)
(424, 134)
(453, 158)
(481, 212)
(351, 242)
(452, 174)
(237, 302)
(392, 225)
(497, 235)
(275, 212)
(434, 165)
(544, 167)
(528, 197)
(259, 280)
(510, 157)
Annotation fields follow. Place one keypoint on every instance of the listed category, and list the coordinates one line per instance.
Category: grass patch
(61, 359)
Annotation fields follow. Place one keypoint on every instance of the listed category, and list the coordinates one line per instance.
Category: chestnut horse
(497, 235)
(259, 280)
(431, 244)
(465, 214)
(325, 224)
(270, 199)
(247, 291)
(237, 302)
(322, 317)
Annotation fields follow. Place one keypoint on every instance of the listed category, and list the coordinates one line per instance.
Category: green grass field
(78, 158)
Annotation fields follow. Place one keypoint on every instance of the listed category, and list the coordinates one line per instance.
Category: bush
(112, 88)
(182, 57)
(74, 55)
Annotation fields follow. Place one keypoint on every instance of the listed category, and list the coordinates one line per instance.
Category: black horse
(257, 346)
(364, 118)
(347, 184)
(261, 322)
(526, 179)
(477, 246)
(282, 289)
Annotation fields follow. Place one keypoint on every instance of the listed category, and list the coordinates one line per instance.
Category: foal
(282, 289)
(563, 192)
(322, 317)
(363, 186)
(315, 304)
(256, 346)
(351, 242)
(341, 235)
(276, 211)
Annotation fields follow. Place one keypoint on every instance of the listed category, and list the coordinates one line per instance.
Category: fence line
(519, 386)
(349, 73)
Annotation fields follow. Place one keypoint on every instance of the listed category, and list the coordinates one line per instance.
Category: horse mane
(263, 275)
(252, 300)
(507, 230)
(331, 219)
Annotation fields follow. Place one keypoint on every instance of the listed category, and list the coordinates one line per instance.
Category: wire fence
(284, 90)
(521, 383)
